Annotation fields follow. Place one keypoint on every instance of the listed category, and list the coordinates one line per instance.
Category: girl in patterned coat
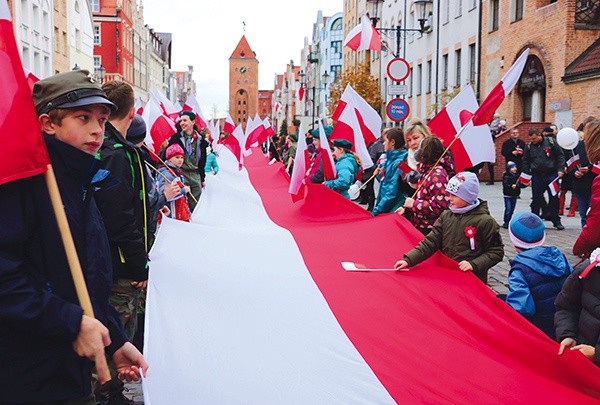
(431, 198)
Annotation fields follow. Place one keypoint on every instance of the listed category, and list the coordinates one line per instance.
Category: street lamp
(100, 72)
(422, 9)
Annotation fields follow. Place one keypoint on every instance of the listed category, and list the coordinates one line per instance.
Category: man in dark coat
(513, 149)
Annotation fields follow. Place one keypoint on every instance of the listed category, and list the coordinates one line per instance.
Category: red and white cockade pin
(470, 233)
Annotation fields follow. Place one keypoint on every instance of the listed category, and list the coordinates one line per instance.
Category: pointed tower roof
(243, 50)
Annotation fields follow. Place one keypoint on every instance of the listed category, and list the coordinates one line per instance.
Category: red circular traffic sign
(397, 110)
(398, 69)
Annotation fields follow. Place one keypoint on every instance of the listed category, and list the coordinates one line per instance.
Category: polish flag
(474, 143)
(139, 106)
(348, 128)
(329, 171)
(160, 126)
(485, 113)
(295, 327)
(23, 150)
(254, 133)
(554, 186)
(300, 91)
(363, 37)
(191, 104)
(297, 187)
(524, 179)
(368, 119)
(229, 125)
(31, 78)
(267, 132)
(573, 162)
(277, 107)
(234, 143)
(167, 107)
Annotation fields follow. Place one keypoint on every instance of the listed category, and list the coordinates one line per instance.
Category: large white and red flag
(21, 144)
(474, 143)
(159, 126)
(191, 104)
(168, 108)
(329, 171)
(294, 327)
(364, 36)
(485, 113)
(368, 119)
(268, 130)
(297, 186)
(228, 125)
(235, 142)
(254, 132)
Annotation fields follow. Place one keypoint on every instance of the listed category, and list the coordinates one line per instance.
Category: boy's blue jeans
(509, 208)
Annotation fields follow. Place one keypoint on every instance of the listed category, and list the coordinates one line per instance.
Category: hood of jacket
(546, 260)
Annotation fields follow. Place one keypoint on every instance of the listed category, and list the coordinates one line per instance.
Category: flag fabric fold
(295, 327)
(24, 153)
(363, 37)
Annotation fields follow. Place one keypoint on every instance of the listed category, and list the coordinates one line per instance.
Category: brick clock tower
(243, 83)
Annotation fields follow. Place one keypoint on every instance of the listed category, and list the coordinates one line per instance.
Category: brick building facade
(243, 83)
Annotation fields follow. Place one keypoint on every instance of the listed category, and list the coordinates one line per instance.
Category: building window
(97, 35)
(97, 63)
(337, 25)
(518, 4)
(446, 12)
(336, 46)
(95, 5)
(494, 14)
(458, 57)
(445, 71)
(419, 79)
(410, 83)
(472, 63)
(458, 8)
(429, 77)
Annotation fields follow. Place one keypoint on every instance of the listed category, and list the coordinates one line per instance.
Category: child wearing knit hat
(172, 172)
(537, 272)
(466, 232)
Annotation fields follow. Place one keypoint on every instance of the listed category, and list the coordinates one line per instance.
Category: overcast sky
(205, 33)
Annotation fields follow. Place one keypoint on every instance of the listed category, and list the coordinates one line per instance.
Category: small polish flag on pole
(524, 179)
(573, 162)
(554, 186)
(364, 36)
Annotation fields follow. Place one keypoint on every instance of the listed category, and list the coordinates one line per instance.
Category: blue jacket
(390, 198)
(39, 312)
(347, 169)
(536, 277)
(211, 163)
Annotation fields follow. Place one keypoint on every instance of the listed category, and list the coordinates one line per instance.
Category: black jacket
(508, 147)
(508, 179)
(543, 158)
(39, 311)
(198, 160)
(578, 309)
(582, 185)
(123, 202)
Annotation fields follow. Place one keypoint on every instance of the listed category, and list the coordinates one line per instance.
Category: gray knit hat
(464, 185)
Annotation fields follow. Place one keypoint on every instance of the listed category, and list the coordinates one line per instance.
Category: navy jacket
(536, 277)
(39, 311)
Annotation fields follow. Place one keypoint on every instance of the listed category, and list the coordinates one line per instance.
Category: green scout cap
(76, 88)
(342, 143)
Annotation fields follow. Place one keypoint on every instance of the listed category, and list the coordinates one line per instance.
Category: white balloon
(354, 190)
(567, 138)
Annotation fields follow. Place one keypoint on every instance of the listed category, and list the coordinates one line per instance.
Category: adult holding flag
(545, 162)
(46, 341)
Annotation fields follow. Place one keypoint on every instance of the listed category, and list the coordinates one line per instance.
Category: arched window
(337, 25)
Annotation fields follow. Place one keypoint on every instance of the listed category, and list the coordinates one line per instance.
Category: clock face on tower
(243, 69)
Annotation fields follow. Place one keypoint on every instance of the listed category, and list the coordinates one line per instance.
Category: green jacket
(448, 236)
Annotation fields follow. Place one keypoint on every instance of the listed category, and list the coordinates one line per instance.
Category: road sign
(398, 69)
(397, 89)
(397, 110)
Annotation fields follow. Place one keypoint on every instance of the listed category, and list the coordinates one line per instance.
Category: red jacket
(589, 238)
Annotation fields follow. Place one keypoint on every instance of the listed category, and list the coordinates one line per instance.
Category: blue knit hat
(527, 230)
(510, 165)
(464, 185)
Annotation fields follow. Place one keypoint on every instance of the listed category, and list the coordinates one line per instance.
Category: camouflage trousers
(126, 300)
